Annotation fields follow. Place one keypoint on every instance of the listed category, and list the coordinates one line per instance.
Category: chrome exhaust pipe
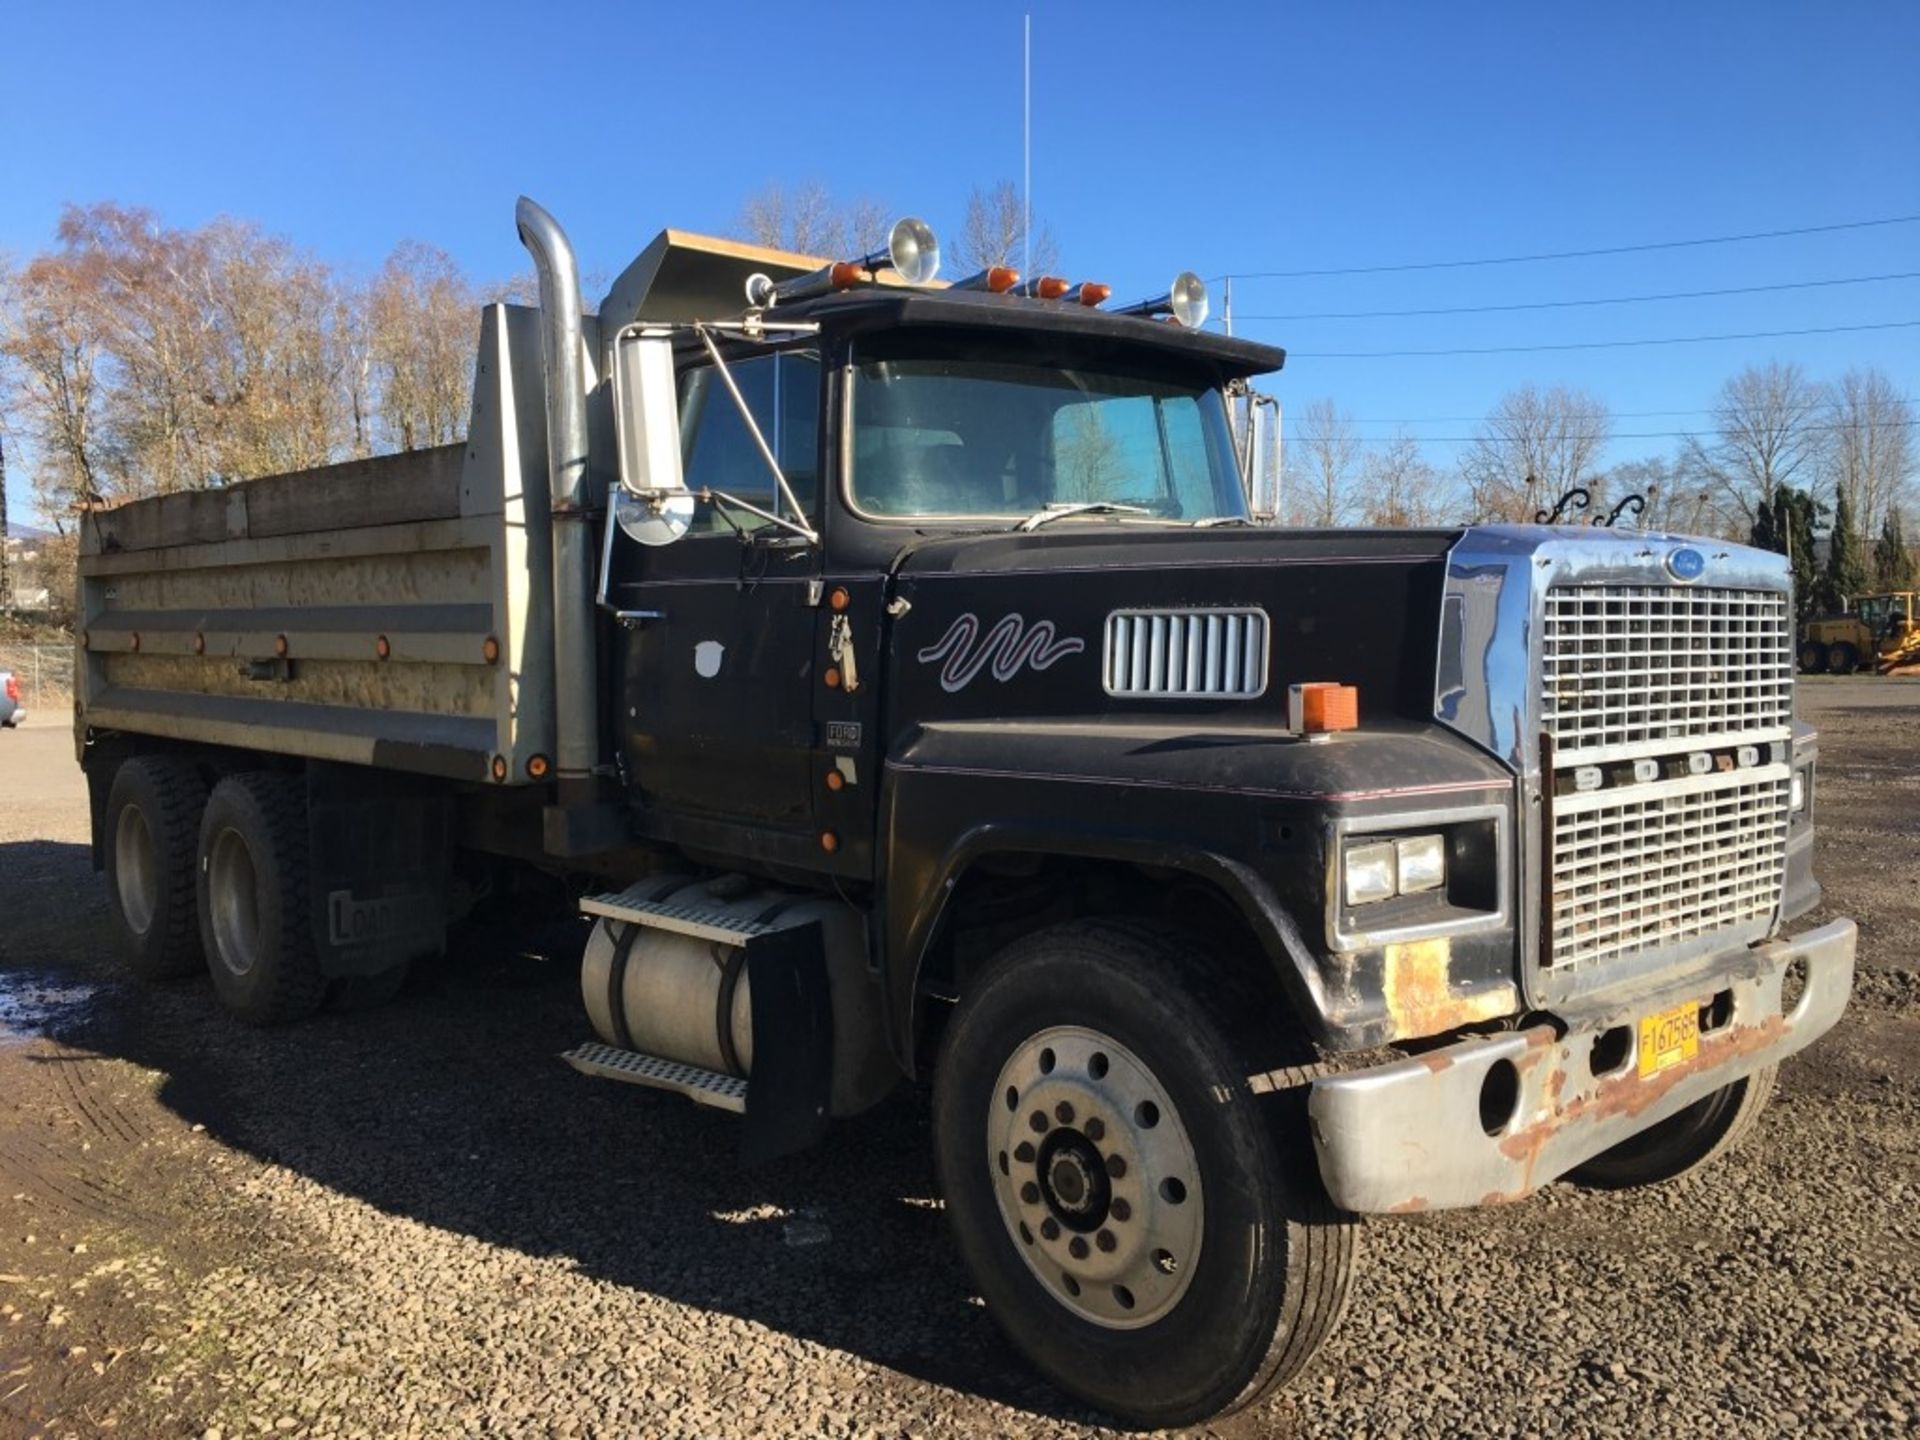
(563, 350)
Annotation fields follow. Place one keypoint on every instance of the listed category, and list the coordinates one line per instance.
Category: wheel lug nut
(1063, 1112)
(1050, 1228)
(1094, 1130)
(1116, 1167)
(1105, 1241)
(1038, 1122)
(1077, 1247)
(1122, 1210)
(1023, 1152)
(1030, 1193)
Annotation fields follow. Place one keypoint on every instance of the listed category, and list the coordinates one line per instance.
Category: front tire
(1813, 658)
(1682, 1143)
(1150, 1232)
(254, 916)
(151, 838)
(1842, 658)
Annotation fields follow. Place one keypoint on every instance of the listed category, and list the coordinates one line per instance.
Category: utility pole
(6, 557)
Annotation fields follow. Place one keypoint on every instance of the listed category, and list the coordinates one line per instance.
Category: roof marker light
(997, 279)
(1090, 293)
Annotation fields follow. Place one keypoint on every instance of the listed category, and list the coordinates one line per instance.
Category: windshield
(967, 435)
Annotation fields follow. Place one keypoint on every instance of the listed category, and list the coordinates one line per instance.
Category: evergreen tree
(1786, 527)
(1893, 567)
(1845, 575)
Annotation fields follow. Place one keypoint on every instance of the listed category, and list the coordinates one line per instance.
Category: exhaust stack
(576, 726)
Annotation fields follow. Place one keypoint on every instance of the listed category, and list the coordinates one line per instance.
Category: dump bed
(392, 611)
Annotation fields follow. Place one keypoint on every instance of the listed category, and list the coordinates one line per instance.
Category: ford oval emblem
(1686, 565)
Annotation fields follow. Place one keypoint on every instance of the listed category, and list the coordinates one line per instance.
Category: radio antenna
(1026, 146)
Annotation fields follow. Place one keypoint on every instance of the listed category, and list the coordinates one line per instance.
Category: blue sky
(1226, 140)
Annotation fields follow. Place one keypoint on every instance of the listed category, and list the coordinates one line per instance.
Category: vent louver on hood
(1187, 654)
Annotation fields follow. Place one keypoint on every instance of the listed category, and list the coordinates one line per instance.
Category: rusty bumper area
(1492, 1119)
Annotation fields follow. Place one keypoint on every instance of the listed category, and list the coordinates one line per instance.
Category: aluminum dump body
(393, 611)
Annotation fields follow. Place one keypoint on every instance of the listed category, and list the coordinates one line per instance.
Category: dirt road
(417, 1221)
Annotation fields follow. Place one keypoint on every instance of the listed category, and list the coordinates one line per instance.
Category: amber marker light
(499, 767)
(1050, 287)
(199, 643)
(835, 780)
(490, 650)
(1323, 708)
(829, 841)
(832, 677)
(280, 646)
(537, 767)
(839, 599)
(383, 648)
(846, 274)
(1091, 293)
(135, 642)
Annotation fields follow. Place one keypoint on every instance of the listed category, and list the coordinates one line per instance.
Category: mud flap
(380, 849)
(791, 1090)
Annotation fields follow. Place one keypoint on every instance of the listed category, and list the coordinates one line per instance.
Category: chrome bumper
(1410, 1136)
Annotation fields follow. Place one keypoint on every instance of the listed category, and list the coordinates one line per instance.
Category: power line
(1595, 438)
(1598, 344)
(1575, 254)
(1576, 304)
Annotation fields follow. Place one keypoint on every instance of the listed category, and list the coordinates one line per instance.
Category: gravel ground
(416, 1221)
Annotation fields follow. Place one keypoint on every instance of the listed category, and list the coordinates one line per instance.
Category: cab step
(687, 907)
(703, 1087)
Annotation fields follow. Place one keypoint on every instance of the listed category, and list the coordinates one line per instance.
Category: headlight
(1370, 873)
(1382, 869)
(1797, 792)
(1423, 863)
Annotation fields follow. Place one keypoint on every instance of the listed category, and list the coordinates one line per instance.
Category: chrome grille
(1651, 866)
(1181, 654)
(1629, 669)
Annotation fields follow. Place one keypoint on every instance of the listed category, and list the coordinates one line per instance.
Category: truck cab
(898, 678)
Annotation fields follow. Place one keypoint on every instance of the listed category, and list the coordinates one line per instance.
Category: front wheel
(1842, 658)
(1682, 1143)
(1813, 658)
(1150, 1231)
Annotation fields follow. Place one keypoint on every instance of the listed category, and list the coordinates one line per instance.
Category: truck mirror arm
(798, 525)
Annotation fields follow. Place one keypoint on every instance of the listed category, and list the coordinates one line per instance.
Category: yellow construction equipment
(1882, 631)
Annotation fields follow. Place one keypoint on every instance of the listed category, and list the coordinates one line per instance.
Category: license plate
(1669, 1038)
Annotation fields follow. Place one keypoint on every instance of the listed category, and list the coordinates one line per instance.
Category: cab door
(716, 681)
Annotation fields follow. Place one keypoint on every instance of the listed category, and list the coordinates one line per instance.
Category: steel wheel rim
(1095, 1176)
(136, 869)
(233, 898)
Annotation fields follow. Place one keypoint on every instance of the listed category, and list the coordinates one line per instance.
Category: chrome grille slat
(1187, 654)
(1631, 671)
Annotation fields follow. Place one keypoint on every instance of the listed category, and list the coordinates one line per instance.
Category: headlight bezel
(1475, 895)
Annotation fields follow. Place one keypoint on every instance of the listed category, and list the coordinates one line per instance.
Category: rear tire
(1180, 1257)
(1682, 1143)
(1842, 658)
(1813, 658)
(150, 842)
(254, 917)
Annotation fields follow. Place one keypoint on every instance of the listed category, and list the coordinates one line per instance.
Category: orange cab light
(845, 274)
(1001, 278)
(1050, 287)
(1092, 292)
(1322, 708)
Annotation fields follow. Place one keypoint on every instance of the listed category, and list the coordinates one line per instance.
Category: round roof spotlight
(760, 291)
(913, 250)
(1188, 300)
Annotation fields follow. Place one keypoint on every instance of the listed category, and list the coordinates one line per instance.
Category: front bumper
(1410, 1135)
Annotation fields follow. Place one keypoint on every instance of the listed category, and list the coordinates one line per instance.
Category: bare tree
(1767, 420)
(53, 357)
(807, 219)
(1534, 447)
(1399, 487)
(1869, 446)
(1328, 452)
(994, 233)
(421, 326)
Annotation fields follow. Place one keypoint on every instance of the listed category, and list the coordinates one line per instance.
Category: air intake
(1187, 654)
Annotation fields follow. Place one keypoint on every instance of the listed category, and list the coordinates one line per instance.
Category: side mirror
(646, 415)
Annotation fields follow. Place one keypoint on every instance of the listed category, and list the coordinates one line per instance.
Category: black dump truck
(895, 674)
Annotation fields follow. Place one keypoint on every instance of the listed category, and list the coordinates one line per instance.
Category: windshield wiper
(1213, 521)
(1079, 507)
